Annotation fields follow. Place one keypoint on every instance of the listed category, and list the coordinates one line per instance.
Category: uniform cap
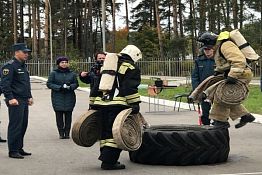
(207, 46)
(20, 46)
(208, 39)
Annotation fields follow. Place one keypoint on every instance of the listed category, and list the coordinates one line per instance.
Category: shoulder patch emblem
(5, 71)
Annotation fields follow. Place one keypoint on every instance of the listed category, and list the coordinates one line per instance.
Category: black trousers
(63, 121)
(205, 113)
(18, 121)
(109, 154)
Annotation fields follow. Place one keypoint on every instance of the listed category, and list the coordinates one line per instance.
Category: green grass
(167, 94)
(254, 100)
(253, 103)
(81, 84)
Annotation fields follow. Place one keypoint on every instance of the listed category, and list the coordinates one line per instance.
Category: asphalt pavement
(53, 156)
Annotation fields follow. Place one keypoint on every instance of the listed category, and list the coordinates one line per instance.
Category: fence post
(38, 67)
(169, 67)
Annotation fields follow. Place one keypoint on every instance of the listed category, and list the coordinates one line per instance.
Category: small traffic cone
(199, 114)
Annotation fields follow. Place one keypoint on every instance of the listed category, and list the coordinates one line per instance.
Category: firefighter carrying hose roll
(109, 101)
(231, 62)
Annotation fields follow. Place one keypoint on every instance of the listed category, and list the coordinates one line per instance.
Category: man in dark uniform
(204, 67)
(15, 83)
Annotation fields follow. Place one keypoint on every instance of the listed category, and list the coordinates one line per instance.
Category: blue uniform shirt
(15, 80)
(204, 67)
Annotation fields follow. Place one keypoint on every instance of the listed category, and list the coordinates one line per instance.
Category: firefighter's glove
(231, 80)
(203, 96)
(190, 99)
(216, 73)
(135, 108)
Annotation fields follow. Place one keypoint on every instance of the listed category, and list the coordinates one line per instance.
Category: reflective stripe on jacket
(127, 82)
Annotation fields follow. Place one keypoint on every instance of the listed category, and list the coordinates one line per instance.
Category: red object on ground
(199, 114)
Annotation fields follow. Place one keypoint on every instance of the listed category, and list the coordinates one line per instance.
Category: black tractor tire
(182, 145)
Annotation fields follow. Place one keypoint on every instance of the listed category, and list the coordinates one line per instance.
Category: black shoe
(2, 140)
(66, 137)
(15, 155)
(61, 134)
(61, 137)
(220, 125)
(116, 166)
(244, 120)
(23, 153)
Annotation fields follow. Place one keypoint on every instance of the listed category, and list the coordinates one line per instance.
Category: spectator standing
(204, 67)
(63, 82)
(93, 76)
(15, 84)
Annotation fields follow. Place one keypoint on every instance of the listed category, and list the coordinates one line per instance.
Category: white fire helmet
(133, 52)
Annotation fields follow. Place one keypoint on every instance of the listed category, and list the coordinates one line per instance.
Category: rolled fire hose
(86, 129)
(127, 130)
(231, 94)
(209, 81)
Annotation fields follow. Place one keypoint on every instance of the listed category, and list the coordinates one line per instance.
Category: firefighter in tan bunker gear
(123, 94)
(231, 62)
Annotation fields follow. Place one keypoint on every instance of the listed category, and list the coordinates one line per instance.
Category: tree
(14, 20)
(46, 28)
(192, 27)
(159, 30)
(235, 13)
(114, 25)
(180, 12)
(168, 31)
(34, 20)
(21, 23)
(127, 19)
(147, 40)
(143, 15)
(202, 15)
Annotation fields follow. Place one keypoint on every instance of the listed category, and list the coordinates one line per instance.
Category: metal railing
(41, 67)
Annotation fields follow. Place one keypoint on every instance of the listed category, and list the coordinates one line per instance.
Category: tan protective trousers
(222, 112)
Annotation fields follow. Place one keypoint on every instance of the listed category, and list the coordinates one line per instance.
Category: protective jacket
(124, 94)
(125, 88)
(233, 61)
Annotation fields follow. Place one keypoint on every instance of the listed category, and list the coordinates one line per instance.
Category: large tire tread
(175, 145)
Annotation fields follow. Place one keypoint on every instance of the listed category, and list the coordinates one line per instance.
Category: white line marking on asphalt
(241, 173)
